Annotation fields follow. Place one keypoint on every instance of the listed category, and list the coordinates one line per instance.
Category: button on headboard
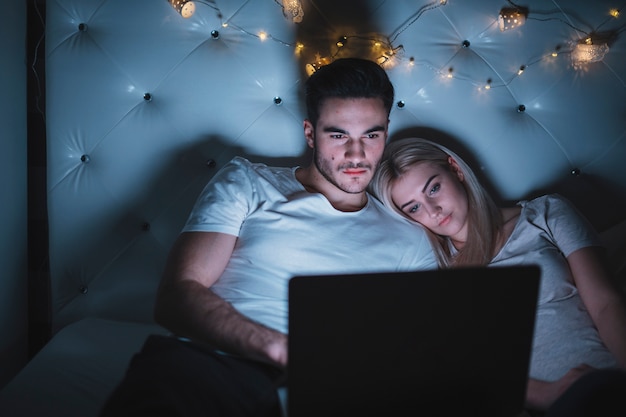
(143, 106)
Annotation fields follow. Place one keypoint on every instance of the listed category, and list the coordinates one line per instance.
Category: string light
(415, 17)
(187, 8)
(292, 9)
(511, 18)
(589, 49)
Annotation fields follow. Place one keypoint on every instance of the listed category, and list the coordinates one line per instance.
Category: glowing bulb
(510, 18)
(411, 61)
(450, 70)
(521, 70)
(262, 36)
(293, 9)
(588, 52)
(614, 13)
(186, 8)
(488, 85)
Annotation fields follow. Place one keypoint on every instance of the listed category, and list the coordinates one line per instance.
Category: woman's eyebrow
(405, 204)
(428, 182)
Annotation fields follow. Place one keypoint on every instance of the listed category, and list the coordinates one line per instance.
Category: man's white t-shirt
(284, 230)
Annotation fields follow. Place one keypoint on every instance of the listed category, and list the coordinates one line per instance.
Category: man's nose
(355, 149)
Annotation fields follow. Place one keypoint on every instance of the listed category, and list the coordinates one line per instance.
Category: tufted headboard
(143, 106)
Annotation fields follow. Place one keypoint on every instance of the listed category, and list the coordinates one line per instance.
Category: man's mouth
(354, 171)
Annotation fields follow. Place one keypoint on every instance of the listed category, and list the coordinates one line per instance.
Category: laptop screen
(440, 341)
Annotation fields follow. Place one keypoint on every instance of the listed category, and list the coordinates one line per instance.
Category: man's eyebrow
(375, 129)
(330, 129)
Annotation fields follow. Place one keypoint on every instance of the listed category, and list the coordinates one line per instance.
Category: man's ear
(309, 133)
(455, 168)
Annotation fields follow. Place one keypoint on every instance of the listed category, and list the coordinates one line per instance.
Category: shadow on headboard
(112, 271)
(594, 197)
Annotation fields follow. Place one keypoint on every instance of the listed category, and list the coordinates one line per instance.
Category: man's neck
(314, 182)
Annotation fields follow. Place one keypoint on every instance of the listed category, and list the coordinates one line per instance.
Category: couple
(224, 289)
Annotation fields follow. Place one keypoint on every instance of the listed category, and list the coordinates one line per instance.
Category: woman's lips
(445, 220)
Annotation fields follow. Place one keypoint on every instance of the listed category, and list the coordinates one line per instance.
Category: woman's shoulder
(546, 202)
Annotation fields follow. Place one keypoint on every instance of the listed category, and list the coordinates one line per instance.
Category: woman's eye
(435, 188)
(414, 208)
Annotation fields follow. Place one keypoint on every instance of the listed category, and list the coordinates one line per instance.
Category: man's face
(348, 142)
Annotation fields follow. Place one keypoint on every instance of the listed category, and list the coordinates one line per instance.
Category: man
(224, 287)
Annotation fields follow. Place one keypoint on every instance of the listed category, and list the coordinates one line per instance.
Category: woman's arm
(541, 394)
(607, 309)
(602, 299)
(186, 305)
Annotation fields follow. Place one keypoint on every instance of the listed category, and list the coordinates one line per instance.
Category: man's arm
(186, 305)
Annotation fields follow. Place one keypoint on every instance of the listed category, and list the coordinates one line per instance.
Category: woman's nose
(433, 209)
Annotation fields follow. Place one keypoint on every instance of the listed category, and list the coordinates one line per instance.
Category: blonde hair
(484, 217)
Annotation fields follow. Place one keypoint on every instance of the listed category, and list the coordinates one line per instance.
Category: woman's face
(434, 196)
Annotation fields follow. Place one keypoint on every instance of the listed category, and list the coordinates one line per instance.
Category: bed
(144, 105)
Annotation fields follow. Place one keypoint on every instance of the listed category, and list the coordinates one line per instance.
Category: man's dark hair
(347, 78)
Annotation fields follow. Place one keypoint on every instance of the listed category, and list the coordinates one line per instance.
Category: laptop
(453, 342)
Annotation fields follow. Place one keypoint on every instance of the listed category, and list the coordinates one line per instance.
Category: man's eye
(372, 135)
(337, 135)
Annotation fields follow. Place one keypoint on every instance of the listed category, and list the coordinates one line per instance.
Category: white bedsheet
(73, 375)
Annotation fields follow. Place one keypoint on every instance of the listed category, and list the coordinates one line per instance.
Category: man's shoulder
(247, 164)
(259, 175)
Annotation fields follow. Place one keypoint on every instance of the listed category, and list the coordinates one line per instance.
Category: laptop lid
(437, 342)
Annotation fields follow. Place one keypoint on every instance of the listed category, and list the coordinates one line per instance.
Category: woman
(581, 317)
